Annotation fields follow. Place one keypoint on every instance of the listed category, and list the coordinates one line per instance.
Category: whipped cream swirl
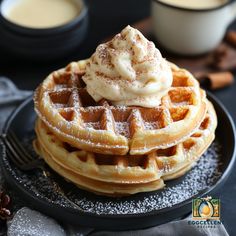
(128, 70)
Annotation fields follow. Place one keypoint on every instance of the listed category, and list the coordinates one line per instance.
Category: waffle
(189, 151)
(64, 105)
(98, 187)
(164, 164)
(107, 168)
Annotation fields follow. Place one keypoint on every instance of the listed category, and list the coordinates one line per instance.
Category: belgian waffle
(63, 103)
(125, 170)
(98, 187)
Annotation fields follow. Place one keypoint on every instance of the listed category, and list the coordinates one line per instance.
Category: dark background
(106, 18)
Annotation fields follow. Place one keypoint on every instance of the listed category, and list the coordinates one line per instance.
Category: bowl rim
(194, 10)
(45, 31)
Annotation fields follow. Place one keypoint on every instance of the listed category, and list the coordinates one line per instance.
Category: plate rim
(165, 210)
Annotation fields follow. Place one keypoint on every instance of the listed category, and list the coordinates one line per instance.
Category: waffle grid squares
(162, 164)
(150, 117)
(68, 97)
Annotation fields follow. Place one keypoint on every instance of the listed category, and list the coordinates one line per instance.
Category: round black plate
(63, 201)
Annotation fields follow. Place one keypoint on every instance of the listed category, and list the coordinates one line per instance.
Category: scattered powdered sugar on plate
(57, 191)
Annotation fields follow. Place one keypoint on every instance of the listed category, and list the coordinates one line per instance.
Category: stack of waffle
(121, 150)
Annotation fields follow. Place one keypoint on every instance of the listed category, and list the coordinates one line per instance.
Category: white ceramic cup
(189, 31)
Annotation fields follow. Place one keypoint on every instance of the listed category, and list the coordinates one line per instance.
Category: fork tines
(17, 153)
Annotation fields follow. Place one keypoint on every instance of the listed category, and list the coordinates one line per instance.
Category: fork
(18, 155)
(26, 162)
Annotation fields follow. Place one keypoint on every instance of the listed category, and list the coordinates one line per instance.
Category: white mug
(189, 31)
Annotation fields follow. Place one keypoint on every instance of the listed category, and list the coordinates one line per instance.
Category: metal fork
(26, 162)
(18, 155)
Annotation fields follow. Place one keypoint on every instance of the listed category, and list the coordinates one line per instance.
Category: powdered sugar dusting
(93, 125)
(122, 128)
(59, 105)
(151, 125)
(57, 191)
(183, 103)
(60, 86)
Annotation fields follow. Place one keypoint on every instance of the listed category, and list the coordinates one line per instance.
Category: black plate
(63, 201)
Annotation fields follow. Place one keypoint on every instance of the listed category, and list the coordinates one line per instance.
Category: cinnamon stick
(220, 79)
(230, 37)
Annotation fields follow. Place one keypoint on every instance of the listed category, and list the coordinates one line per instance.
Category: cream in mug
(41, 13)
(195, 4)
